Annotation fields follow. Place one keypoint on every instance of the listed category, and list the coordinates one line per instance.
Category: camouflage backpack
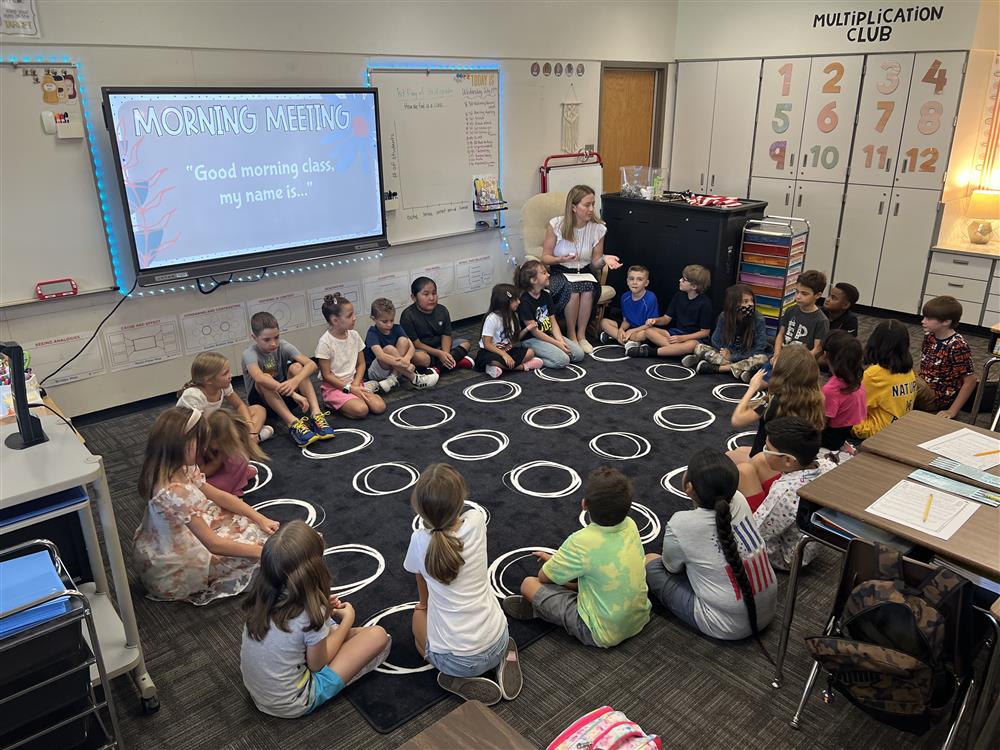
(887, 654)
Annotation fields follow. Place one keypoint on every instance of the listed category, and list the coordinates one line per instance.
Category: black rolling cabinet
(666, 236)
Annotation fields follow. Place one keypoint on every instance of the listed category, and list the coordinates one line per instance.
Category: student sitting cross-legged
(594, 586)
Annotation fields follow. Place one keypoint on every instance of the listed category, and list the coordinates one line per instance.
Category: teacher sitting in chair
(573, 246)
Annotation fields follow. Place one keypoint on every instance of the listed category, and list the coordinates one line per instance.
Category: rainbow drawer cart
(772, 256)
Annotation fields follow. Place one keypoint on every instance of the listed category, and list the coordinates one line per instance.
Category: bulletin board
(51, 221)
(440, 130)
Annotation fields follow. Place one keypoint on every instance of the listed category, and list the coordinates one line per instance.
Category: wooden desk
(857, 483)
(900, 442)
(470, 725)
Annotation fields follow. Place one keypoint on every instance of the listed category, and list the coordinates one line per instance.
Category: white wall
(775, 28)
(309, 43)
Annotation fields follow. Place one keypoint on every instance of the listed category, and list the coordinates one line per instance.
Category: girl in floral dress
(189, 547)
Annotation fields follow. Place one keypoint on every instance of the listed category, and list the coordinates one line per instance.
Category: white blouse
(585, 239)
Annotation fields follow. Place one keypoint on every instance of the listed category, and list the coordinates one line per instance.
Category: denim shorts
(469, 665)
(326, 684)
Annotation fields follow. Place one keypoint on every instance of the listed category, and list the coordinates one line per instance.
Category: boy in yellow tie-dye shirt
(595, 584)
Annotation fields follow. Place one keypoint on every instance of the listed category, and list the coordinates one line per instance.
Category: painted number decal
(936, 75)
(833, 85)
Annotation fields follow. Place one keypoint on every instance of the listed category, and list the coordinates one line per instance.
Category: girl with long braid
(714, 575)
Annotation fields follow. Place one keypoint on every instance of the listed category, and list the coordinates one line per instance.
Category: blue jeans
(552, 355)
(673, 591)
(469, 665)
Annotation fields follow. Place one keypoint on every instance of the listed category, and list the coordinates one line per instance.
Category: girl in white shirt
(500, 347)
(458, 625)
(341, 355)
(574, 243)
(211, 384)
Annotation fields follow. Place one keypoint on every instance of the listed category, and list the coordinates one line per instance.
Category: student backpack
(604, 729)
(887, 653)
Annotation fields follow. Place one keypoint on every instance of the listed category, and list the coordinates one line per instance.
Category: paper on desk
(963, 445)
(905, 504)
(574, 277)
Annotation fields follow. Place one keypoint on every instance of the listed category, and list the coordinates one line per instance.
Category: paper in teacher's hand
(963, 445)
(575, 277)
(934, 512)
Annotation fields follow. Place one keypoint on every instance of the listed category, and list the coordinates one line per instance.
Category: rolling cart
(772, 255)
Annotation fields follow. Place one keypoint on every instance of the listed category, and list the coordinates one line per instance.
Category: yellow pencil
(927, 508)
(986, 453)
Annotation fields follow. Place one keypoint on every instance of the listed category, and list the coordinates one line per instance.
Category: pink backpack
(605, 729)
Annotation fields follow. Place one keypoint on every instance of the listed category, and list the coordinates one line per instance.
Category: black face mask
(746, 310)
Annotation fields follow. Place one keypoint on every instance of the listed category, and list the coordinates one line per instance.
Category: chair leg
(805, 695)
(983, 700)
(789, 612)
(970, 687)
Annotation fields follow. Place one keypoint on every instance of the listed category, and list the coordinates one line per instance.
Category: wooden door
(829, 117)
(820, 203)
(862, 230)
(780, 114)
(732, 127)
(880, 118)
(930, 119)
(908, 237)
(692, 126)
(626, 133)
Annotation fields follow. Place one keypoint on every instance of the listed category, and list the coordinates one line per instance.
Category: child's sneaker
(691, 360)
(493, 371)
(471, 688)
(466, 362)
(629, 346)
(509, 672)
(428, 380)
(747, 375)
(266, 433)
(301, 433)
(535, 363)
(372, 386)
(643, 350)
(518, 607)
(705, 367)
(389, 383)
(321, 427)
(606, 339)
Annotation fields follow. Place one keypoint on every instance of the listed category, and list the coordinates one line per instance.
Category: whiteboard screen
(440, 130)
(562, 179)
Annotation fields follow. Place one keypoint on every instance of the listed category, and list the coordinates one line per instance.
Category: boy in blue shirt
(638, 305)
(689, 318)
(389, 353)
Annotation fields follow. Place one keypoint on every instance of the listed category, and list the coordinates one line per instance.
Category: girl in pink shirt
(844, 393)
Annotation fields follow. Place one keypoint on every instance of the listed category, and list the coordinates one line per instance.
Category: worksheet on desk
(967, 447)
(923, 508)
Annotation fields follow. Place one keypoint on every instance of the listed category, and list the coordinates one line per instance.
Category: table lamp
(984, 207)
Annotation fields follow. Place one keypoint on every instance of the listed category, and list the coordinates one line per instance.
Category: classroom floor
(695, 692)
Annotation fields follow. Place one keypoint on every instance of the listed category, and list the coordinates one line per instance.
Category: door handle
(713, 181)
(786, 198)
(881, 205)
(701, 179)
(791, 160)
(957, 286)
(960, 262)
(904, 165)
(895, 211)
(888, 165)
(799, 204)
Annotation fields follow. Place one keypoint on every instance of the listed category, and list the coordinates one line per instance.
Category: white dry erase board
(440, 129)
(563, 179)
(51, 223)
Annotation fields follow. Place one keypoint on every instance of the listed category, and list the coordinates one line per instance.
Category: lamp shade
(985, 204)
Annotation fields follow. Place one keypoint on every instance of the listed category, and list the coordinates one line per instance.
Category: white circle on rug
(578, 372)
(652, 523)
(387, 667)
(362, 477)
(366, 440)
(602, 347)
(513, 391)
(496, 573)
(668, 425)
(346, 589)
(262, 468)
(311, 510)
(396, 418)
(418, 522)
(642, 446)
(666, 484)
(514, 475)
(719, 393)
(529, 416)
(502, 442)
(637, 393)
(654, 372)
(732, 445)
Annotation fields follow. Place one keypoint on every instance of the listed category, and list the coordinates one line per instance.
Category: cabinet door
(732, 127)
(908, 239)
(930, 119)
(832, 103)
(862, 229)
(820, 204)
(880, 119)
(692, 137)
(783, 87)
(778, 194)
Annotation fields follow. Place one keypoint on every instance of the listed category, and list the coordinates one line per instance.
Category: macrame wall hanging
(570, 136)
